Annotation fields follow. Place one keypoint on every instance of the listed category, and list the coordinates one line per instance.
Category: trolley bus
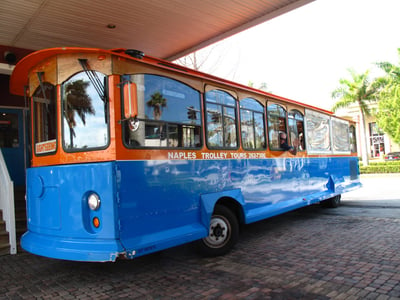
(132, 154)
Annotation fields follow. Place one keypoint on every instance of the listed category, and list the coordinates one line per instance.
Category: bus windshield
(84, 109)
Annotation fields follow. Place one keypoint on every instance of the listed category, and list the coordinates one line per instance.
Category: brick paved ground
(308, 254)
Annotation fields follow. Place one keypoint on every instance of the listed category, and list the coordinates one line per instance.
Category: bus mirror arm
(133, 123)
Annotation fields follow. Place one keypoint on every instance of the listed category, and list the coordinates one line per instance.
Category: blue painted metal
(148, 206)
(59, 219)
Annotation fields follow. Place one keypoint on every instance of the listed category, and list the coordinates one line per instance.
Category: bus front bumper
(90, 250)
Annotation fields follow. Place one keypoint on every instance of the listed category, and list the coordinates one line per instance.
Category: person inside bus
(283, 144)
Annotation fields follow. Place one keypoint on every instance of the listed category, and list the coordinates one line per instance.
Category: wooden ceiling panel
(166, 29)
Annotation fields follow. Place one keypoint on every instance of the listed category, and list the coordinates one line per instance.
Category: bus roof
(19, 77)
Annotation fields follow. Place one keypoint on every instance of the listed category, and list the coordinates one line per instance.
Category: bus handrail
(7, 203)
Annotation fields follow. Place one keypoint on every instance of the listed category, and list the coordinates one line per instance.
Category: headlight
(94, 201)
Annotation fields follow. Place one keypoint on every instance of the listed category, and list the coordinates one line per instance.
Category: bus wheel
(223, 233)
(332, 202)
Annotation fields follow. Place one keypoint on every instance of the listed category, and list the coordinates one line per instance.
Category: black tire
(223, 233)
(332, 202)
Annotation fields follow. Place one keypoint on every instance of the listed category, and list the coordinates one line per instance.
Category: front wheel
(223, 233)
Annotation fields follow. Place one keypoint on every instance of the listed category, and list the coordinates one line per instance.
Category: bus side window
(318, 132)
(252, 124)
(45, 119)
(276, 115)
(221, 120)
(296, 128)
(168, 114)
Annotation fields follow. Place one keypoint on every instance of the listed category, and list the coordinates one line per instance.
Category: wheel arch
(232, 200)
(234, 206)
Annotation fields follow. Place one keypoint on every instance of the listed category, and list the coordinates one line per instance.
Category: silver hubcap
(219, 232)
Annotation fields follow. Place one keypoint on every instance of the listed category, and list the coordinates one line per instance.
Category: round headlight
(94, 201)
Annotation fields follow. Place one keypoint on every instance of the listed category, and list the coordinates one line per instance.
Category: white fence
(7, 203)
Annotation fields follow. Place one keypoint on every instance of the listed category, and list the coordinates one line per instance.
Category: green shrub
(380, 167)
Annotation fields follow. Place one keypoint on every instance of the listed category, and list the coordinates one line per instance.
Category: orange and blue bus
(131, 154)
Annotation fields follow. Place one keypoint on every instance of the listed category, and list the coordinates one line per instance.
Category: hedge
(381, 167)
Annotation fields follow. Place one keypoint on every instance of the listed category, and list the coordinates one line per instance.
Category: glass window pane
(318, 132)
(252, 124)
(230, 127)
(251, 104)
(340, 135)
(276, 124)
(214, 126)
(259, 126)
(84, 114)
(44, 119)
(221, 97)
(247, 126)
(221, 120)
(168, 114)
(296, 129)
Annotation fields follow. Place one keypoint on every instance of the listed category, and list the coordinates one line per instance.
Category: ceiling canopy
(167, 29)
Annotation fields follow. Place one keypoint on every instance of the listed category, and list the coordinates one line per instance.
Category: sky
(303, 54)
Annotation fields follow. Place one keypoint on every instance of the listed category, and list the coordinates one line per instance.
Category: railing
(7, 203)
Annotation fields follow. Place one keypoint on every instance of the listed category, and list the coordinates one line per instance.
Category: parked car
(392, 156)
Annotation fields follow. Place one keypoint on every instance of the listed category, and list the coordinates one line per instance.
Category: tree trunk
(363, 138)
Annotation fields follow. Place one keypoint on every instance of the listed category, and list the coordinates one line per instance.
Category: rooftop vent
(135, 53)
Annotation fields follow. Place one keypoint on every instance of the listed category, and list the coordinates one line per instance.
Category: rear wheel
(223, 233)
(332, 202)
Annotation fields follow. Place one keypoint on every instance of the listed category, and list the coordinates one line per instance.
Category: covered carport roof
(163, 28)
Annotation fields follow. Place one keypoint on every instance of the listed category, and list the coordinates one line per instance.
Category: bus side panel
(60, 223)
(165, 203)
(296, 182)
(159, 205)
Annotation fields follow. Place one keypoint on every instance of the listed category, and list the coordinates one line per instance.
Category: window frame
(222, 105)
(49, 142)
(142, 120)
(270, 139)
(253, 111)
(106, 116)
(309, 114)
(296, 112)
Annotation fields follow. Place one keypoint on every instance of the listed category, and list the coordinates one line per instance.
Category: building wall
(378, 145)
(9, 56)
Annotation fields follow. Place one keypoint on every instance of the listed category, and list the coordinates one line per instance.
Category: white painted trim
(6, 69)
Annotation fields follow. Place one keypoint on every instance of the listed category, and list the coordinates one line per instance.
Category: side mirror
(130, 100)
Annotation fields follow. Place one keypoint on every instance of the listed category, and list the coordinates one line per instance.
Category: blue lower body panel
(96, 250)
(147, 206)
(60, 222)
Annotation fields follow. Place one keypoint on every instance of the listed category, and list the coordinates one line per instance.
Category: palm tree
(360, 91)
(157, 102)
(388, 116)
(79, 102)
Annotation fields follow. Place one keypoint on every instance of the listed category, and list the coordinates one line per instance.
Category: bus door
(12, 143)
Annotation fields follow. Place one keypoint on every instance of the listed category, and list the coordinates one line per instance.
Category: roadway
(352, 252)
